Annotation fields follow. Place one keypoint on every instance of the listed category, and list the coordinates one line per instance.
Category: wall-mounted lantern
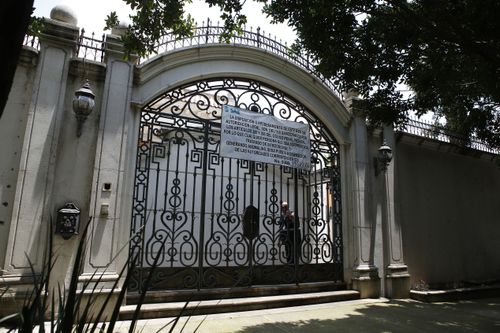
(383, 159)
(68, 220)
(83, 104)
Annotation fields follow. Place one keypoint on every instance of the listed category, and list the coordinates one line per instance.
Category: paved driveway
(365, 315)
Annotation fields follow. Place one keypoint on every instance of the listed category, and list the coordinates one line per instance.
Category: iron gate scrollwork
(189, 202)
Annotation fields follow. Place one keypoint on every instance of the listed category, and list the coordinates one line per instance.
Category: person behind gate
(289, 233)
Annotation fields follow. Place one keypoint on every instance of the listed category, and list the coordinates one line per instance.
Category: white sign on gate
(263, 138)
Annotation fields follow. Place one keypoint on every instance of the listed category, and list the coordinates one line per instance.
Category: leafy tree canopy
(447, 53)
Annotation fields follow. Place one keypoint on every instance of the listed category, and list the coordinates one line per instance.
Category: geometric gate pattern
(188, 230)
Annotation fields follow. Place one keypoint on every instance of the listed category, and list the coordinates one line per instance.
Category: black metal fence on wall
(424, 129)
(92, 47)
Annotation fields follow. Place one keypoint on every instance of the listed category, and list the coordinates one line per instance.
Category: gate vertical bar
(251, 244)
(296, 224)
(206, 124)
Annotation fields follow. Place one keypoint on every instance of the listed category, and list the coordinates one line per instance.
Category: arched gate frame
(187, 219)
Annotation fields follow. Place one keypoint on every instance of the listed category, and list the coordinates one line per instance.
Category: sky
(92, 13)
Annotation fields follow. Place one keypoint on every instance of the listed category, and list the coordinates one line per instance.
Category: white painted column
(365, 273)
(397, 278)
(32, 209)
(12, 130)
(111, 197)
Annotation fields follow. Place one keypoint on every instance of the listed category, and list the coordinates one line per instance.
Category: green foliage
(152, 20)
(77, 309)
(231, 15)
(445, 53)
(155, 18)
(35, 26)
(74, 309)
(111, 21)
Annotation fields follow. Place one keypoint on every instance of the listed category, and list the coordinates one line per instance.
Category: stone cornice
(59, 33)
(93, 70)
(116, 50)
(440, 146)
(28, 56)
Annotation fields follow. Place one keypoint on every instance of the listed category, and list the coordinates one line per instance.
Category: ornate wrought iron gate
(188, 229)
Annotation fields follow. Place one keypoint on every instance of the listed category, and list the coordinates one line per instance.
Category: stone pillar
(111, 196)
(12, 130)
(32, 209)
(397, 279)
(365, 274)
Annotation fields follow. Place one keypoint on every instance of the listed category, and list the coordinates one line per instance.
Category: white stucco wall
(12, 130)
(449, 208)
(446, 202)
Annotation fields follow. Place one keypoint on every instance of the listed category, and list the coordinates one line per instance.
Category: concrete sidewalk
(366, 315)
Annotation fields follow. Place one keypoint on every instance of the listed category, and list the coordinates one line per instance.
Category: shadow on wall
(400, 316)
